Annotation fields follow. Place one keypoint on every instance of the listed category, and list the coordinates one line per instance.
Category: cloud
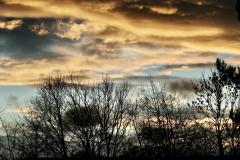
(74, 30)
(129, 23)
(10, 24)
(186, 66)
(40, 29)
(25, 45)
(12, 9)
(137, 78)
(122, 38)
(18, 110)
(36, 38)
(164, 10)
(183, 87)
(22, 43)
(168, 69)
(13, 101)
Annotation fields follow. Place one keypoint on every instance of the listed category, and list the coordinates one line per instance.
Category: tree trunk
(220, 145)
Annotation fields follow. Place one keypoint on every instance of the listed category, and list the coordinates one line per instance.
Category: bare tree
(47, 120)
(230, 75)
(112, 104)
(100, 114)
(82, 118)
(10, 144)
(213, 103)
(162, 122)
(31, 141)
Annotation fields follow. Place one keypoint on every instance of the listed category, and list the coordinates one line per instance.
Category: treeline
(68, 119)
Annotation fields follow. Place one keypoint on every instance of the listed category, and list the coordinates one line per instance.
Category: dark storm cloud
(152, 45)
(22, 43)
(140, 9)
(162, 68)
(202, 54)
(221, 12)
(188, 11)
(148, 78)
(166, 35)
(192, 66)
(13, 101)
(184, 87)
(99, 47)
(181, 85)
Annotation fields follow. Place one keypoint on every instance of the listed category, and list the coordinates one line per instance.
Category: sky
(169, 40)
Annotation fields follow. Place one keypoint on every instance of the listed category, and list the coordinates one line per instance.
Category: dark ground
(130, 158)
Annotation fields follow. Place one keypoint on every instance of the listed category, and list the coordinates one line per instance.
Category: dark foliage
(238, 9)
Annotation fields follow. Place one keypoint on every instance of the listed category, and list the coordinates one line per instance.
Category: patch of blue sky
(192, 74)
(15, 97)
(224, 55)
(22, 92)
(128, 52)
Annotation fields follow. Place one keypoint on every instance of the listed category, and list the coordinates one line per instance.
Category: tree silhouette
(162, 123)
(209, 102)
(217, 100)
(47, 110)
(231, 77)
(69, 119)
(238, 9)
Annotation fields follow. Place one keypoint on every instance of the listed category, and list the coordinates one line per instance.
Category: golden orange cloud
(10, 25)
(18, 110)
(126, 42)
